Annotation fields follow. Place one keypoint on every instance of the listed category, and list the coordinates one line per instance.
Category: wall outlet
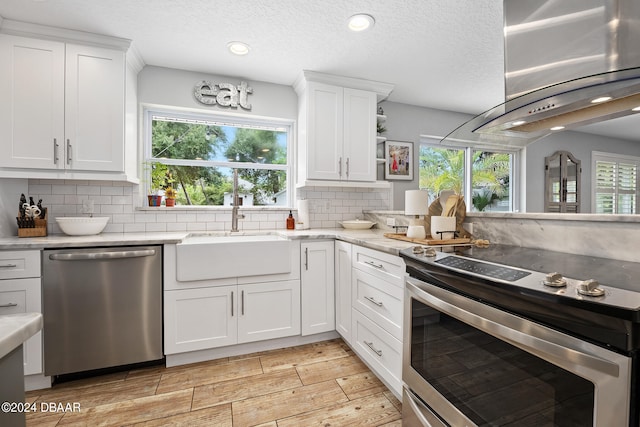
(87, 206)
(391, 222)
(469, 227)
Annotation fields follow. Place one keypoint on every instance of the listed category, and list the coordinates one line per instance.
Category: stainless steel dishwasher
(102, 307)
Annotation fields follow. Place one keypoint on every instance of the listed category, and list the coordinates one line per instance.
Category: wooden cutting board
(428, 242)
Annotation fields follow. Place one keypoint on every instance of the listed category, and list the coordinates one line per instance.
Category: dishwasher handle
(81, 256)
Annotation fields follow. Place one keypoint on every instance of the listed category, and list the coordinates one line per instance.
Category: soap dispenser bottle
(291, 223)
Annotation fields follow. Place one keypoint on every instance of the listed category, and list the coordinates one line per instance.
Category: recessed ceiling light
(518, 123)
(636, 109)
(557, 128)
(601, 99)
(360, 22)
(238, 48)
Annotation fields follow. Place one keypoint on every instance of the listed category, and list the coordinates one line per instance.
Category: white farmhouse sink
(206, 257)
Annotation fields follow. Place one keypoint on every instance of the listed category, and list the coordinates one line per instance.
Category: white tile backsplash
(121, 202)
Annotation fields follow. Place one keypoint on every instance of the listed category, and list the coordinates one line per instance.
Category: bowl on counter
(357, 224)
(82, 225)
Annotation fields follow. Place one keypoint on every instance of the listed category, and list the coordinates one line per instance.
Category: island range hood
(568, 63)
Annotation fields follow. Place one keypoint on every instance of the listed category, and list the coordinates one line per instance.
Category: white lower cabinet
(20, 292)
(217, 316)
(379, 349)
(213, 313)
(377, 303)
(317, 283)
(343, 288)
(196, 319)
(268, 310)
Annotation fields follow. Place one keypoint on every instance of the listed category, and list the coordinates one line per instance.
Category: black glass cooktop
(483, 268)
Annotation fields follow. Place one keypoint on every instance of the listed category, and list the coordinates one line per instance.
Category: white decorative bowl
(82, 225)
(357, 224)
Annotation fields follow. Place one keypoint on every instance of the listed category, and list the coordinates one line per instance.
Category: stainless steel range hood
(561, 56)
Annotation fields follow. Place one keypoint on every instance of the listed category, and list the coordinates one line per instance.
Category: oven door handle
(538, 340)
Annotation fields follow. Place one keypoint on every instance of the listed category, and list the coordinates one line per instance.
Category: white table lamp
(416, 203)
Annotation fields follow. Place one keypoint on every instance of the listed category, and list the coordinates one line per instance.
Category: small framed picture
(398, 160)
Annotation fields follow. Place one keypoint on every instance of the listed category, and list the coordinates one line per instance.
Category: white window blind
(615, 183)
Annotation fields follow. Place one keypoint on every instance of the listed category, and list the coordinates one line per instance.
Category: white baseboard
(239, 349)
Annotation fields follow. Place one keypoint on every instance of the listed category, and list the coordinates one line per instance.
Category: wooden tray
(428, 242)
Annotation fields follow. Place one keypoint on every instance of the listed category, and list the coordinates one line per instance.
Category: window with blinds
(615, 183)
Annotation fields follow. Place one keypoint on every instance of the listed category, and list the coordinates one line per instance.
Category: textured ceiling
(440, 54)
(444, 54)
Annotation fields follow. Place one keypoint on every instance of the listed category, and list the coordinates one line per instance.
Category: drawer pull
(8, 265)
(373, 301)
(370, 345)
(373, 264)
(11, 304)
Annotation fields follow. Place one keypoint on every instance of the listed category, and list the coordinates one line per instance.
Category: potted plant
(157, 172)
(170, 196)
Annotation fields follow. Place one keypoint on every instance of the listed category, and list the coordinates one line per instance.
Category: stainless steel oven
(491, 345)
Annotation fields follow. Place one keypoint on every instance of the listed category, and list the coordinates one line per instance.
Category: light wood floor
(321, 384)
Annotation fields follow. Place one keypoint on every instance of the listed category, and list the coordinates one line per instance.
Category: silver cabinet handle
(373, 264)
(69, 152)
(340, 166)
(231, 303)
(8, 265)
(306, 258)
(242, 302)
(80, 256)
(347, 167)
(11, 304)
(55, 151)
(370, 345)
(373, 301)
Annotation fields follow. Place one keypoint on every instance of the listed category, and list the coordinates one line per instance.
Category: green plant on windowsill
(155, 174)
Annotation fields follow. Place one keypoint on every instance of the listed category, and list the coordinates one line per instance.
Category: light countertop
(372, 238)
(16, 329)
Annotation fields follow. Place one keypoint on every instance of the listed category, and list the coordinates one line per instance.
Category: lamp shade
(416, 202)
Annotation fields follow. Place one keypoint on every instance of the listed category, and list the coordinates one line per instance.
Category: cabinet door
(197, 319)
(359, 135)
(22, 296)
(32, 103)
(325, 122)
(94, 122)
(343, 289)
(318, 289)
(268, 310)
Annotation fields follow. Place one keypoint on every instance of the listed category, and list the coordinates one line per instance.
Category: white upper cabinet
(63, 108)
(94, 108)
(337, 128)
(32, 105)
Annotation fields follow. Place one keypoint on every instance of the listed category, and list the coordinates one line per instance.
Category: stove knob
(591, 288)
(429, 252)
(554, 280)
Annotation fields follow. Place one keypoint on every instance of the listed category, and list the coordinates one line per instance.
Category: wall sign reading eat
(223, 94)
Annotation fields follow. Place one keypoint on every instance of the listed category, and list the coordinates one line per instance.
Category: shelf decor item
(398, 160)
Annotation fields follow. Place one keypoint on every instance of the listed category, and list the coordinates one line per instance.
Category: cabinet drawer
(19, 264)
(378, 300)
(24, 296)
(13, 302)
(381, 351)
(385, 266)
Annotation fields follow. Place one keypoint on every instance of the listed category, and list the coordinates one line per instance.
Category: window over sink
(195, 154)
